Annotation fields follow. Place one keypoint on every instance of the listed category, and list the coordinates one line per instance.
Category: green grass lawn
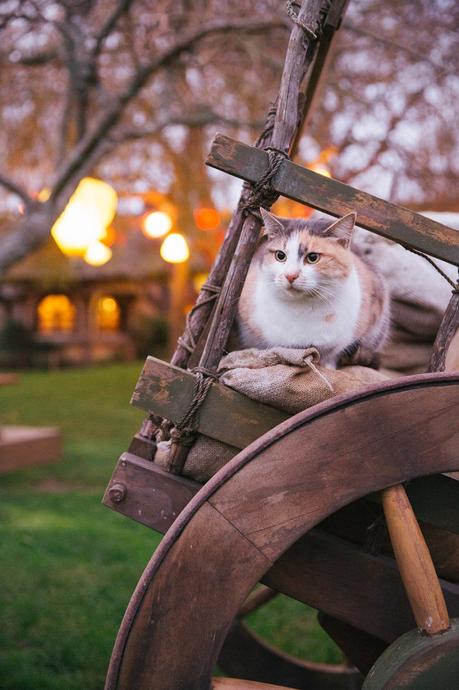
(68, 564)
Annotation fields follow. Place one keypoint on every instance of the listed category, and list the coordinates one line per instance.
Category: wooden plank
(350, 584)
(333, 197)
(7, 379)
(226, 415)
(141, 490)
(26, 446)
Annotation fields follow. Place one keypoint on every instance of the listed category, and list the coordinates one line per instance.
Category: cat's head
(306, 257)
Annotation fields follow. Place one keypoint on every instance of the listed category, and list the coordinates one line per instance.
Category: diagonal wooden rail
(336, 198)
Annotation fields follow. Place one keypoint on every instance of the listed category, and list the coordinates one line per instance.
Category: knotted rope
(261, 193)
(184, 431)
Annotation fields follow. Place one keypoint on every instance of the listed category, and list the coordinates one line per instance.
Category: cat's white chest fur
(307, 321)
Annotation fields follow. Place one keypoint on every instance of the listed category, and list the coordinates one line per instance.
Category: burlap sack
(289, 379)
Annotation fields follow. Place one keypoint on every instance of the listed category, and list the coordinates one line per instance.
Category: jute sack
(289, 379)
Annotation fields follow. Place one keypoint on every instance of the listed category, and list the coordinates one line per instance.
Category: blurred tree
(134, 90)
(83, 78)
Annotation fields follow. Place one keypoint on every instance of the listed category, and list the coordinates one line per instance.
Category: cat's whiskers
(321, 296)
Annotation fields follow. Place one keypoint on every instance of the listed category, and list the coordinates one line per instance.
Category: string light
(97, 254)
(175, 249)
(156, 224)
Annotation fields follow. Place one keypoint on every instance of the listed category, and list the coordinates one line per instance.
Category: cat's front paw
(359, 356)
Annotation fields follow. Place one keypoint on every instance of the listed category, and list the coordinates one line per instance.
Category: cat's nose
(291, 277)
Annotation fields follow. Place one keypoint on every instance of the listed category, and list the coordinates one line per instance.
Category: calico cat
(307, 287)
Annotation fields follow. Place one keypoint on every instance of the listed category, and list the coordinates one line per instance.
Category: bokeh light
(175, 249)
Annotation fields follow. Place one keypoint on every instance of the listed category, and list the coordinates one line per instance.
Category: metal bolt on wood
(117, 493)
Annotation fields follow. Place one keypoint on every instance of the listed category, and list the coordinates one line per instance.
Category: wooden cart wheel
(246, 517)
(246, 655)
(417, 662)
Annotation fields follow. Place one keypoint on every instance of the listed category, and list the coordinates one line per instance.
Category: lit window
(56, 313)
(108, 314)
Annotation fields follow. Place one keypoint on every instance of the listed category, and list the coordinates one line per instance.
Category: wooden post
(300, 56)
(445, 335)
(415, 562)
(320, 52)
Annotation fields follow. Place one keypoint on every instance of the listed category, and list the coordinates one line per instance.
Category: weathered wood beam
(334, 579)
(142, 491)
(337, 199)
(225, 415)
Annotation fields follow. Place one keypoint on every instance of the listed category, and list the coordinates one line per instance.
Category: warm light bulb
(85, 219)
(97, 254)
(206, 218)
(175, 249)
(156, 224)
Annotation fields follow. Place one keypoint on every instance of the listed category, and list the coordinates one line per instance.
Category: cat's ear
(272, 225)
(343, 229)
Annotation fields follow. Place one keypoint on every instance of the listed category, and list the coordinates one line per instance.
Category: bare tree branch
(30, 233)
(37, 59)
(16, 189)
(200, 118)
(421, 57)
(122, 6)
(113, 113)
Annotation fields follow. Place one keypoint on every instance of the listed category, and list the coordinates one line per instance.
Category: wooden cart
(304, 506)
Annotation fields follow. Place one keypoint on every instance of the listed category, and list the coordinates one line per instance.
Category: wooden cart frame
(295, 508)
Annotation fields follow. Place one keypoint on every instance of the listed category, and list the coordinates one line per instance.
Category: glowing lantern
(97, 254)
(156, 224)
(206, 218)
(85, 219)
(175, 249)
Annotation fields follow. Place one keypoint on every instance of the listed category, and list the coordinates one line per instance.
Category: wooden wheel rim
(246, 508)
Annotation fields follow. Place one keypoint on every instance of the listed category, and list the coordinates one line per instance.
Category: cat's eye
(280, 255)
(312, 257)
